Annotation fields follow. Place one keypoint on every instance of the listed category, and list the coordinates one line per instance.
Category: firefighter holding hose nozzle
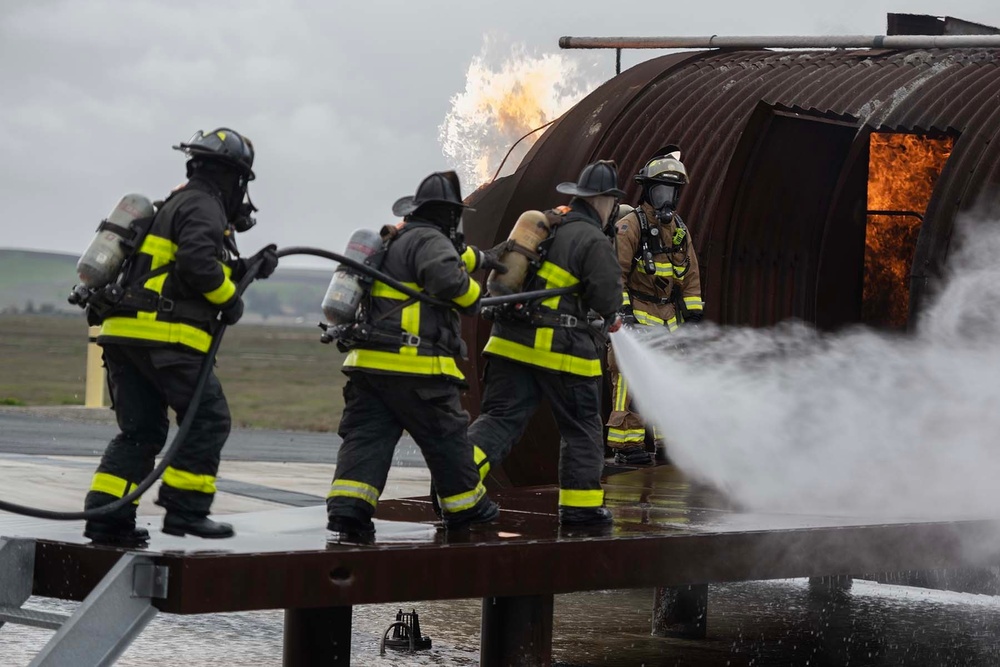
(662, 287)
(159, 306)
(548, 350)
(401, 364)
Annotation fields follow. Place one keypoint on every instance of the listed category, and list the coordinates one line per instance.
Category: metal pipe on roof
(787, 42)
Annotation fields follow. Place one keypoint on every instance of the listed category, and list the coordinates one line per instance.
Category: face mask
(243, 220)
(662, 196)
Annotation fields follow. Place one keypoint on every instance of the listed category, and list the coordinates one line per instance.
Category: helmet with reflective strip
(663, 169)
(222, 145)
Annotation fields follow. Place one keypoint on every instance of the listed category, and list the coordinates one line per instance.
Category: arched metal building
(799, 161)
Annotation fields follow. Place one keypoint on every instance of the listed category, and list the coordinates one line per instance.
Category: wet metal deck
(680, 534)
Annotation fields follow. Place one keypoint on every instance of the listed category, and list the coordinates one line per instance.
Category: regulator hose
(209, 362)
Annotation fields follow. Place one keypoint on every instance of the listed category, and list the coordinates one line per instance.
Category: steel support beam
(108, 619)
(17, 568)
(318, 637)
(680, 611)
(516, 631)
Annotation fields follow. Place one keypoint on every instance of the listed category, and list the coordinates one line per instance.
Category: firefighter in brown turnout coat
(662, 286)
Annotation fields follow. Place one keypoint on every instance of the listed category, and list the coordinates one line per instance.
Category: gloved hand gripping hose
(168, 455)
(206, 368)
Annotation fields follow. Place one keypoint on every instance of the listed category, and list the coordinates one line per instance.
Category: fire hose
(209, 362)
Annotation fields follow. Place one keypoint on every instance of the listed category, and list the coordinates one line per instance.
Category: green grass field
(274, 377)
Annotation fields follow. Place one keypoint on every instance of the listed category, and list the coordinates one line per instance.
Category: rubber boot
(584, 516)
(484, 512)
(177, 523)
(116, 534)
(349, 529)
(633, 455)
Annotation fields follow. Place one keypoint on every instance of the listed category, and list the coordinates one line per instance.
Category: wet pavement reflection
(755, 623)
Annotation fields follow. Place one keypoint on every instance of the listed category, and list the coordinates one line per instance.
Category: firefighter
(549, 351)
(405, 377)
(178, 284)
(662, 287)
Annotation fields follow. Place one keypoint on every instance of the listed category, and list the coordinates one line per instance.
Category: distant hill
(36, 281)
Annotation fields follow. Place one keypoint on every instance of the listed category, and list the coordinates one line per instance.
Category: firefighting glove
(490, 259)
(232, 313)
(628, 316)
(616, 324)
(267, 258)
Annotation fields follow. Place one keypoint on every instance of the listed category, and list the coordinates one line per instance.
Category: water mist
(859, 423)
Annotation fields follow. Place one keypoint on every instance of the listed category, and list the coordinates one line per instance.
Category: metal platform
(679, 533)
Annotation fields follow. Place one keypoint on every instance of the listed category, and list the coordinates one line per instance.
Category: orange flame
(902, 171)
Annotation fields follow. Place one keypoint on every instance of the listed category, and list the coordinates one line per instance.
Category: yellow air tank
(529, 231)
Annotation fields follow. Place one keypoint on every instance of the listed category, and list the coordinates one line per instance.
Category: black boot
(176, 523)
(484, 512)
(633, 455)
(116, 534)
(350, 529)
(584, 516)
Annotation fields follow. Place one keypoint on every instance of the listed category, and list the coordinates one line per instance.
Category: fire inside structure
(902, 171)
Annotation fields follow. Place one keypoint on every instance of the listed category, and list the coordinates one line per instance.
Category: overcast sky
(343, 100)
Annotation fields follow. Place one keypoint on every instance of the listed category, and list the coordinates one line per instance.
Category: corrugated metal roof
(776, 144)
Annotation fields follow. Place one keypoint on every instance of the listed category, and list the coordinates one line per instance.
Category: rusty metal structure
(778, 147)
(282, 559)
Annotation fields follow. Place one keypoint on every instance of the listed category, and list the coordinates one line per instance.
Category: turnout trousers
(511, 395)
(377, 409)
(144, 382)
(625, 426)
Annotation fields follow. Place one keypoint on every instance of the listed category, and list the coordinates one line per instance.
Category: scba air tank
(531, 228)
(343, 296)
(103, 258)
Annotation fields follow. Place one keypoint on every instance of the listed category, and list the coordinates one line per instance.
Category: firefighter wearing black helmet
(406, 378)
(662, 287)
(178, 286)
(551, 353)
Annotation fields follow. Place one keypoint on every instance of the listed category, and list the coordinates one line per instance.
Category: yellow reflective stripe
(672, 324)
(621, 394)
(626, 435)
(470, 258)
(112, 485)
(482, 462)
(156, 283)
(146, 327)
(398, 363)
(162, 250)
(642, 317)
(626, 298)
(543, 339)
(349, 488)
(556, 276)
(222, 293)
(188, 481)
(662, 269)
(410, 322)
(694, 303)
(581, 498)
(381, 290)
(470, 296)
(463, 501)
(555, 361)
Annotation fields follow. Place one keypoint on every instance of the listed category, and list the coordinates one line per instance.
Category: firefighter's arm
(626, 246)
(442, 273)
(200, 226)
(601, 279)
(694, 307)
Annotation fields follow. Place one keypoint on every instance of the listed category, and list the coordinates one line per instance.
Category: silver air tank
(103, 258)
(343, 296)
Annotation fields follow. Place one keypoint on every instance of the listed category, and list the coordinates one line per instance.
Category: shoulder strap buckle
(410, 340)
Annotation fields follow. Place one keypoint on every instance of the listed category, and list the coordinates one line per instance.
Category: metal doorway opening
(902, 171)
